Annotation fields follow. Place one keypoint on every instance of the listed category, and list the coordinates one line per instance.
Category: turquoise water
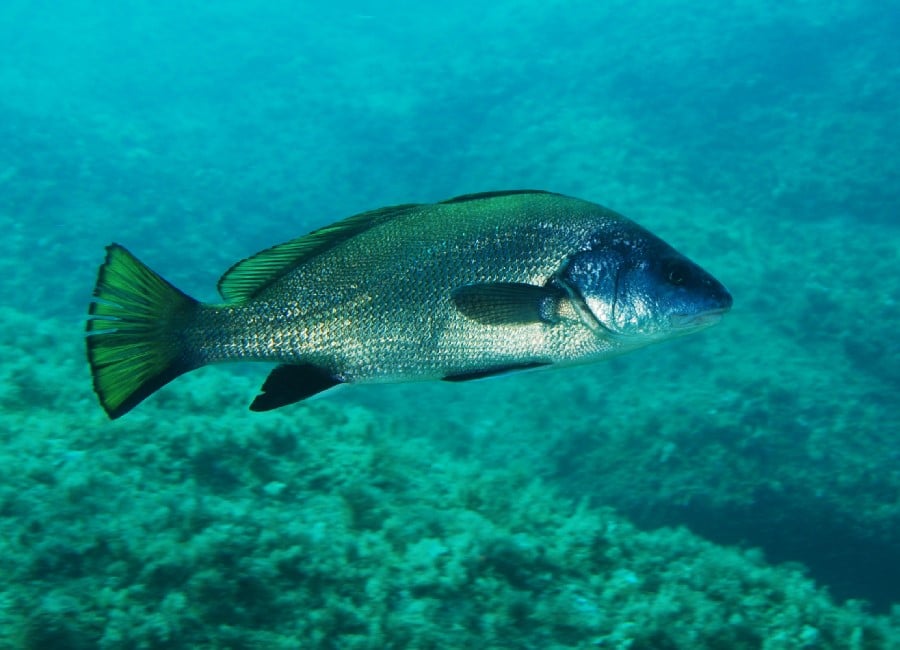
(733, 489)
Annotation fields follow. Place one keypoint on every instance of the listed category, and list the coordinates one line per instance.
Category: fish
(462, 289)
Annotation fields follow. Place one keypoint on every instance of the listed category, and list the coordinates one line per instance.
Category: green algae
(333, 526)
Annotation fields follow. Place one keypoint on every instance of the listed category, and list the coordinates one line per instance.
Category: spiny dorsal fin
(248, 277)
(490, 195)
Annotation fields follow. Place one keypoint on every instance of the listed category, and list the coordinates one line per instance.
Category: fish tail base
(134, 344)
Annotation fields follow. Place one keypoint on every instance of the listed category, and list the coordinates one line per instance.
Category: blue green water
(733, 489)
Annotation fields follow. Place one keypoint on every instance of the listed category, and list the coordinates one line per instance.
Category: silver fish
(462, 289)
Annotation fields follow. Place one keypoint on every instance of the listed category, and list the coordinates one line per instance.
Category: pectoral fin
(291, 383)
(507, 303)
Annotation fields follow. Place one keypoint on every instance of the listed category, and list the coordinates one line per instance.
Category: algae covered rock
(335, 527)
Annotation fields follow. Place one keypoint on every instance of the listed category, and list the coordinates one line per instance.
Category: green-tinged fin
(507, 303)
(478, 196)
(248, 277)
(494, 371)
(291, 383)
(133, 343)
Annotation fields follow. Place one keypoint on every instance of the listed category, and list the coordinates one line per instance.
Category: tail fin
(133, 341)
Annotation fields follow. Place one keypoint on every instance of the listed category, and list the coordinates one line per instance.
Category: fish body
(465, 288)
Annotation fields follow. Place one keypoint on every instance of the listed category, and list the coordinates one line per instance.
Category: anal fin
(291, 383)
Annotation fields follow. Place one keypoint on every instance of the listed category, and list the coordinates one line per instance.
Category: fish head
(637, 286)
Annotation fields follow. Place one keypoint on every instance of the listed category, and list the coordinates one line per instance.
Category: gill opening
(581, 308)
(615, 297)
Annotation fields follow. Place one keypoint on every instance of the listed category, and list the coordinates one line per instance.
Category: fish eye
(678, 273)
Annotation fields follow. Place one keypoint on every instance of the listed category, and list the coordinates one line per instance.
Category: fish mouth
(700, 319)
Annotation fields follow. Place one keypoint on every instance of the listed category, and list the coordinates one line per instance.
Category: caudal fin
(133, 341)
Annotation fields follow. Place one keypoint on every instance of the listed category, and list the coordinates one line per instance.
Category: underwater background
(737, 489)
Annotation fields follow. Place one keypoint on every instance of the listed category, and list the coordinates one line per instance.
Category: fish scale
(402, 299)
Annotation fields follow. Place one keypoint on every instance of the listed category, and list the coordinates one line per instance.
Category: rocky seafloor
(194, 523)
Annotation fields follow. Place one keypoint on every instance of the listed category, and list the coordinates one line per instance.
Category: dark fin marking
(291, 383)
(248, 277)
(507, 303)
(490, 195)
(492, 372)
(133, 332)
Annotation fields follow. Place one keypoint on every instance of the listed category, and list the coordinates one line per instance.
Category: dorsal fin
(248, 277)
(490, 195)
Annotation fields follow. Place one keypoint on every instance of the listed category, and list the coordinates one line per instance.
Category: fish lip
(700, 319)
